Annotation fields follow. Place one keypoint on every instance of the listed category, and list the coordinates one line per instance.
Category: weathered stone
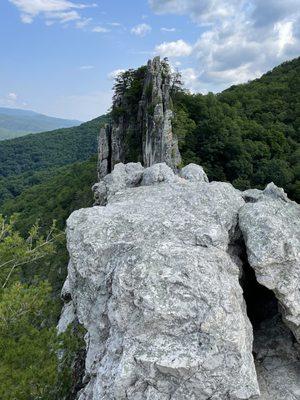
(151, 130)
(134, 174)
(159, 142)
(66, 318)
(193, 173)
(104, 162)
(158, 173)
(271, 229)
(277, 361)
(156, 279)
(164, 311)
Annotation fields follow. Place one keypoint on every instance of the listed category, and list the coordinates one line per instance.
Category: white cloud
(285, 34)
(163, 29)
(178, 48)
(141, 30)
(12, 96)
(11, 99)
(83, 23)
(113, 74)
(100, 29)
(199, 11)
(86, 67)
(190, 79)
(240, 39)
(52, 10)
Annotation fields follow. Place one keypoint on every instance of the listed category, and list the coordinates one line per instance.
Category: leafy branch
(16, 251)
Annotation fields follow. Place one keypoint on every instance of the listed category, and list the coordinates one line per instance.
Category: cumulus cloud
(199, 11)
(83, 23)
(52, 10)
(141, 30)
(240, 39)
(178, 48)
(11, 99)
(12, 96)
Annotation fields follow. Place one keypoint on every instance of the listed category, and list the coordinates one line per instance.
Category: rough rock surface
(154, 277)
(277, 361)
(271, 229)
(149, 131)
(159, 141)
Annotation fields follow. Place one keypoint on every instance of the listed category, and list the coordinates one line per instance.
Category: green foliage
(130, 85)
(27, 335)
(128, 90)
(15, 251)
(49, 149)
(65, 190)
(148, 91)
(71, 363)
(28, 315)
(248, 134)
(28, 361)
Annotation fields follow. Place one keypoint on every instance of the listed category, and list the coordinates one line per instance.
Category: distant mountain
(46, 150)
(16, 122)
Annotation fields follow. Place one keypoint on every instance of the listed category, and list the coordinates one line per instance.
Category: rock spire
(141, 127)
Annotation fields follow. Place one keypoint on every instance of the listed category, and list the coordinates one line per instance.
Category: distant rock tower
(147, 136)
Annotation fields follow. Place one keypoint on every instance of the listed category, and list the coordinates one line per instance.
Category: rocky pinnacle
(150, 128)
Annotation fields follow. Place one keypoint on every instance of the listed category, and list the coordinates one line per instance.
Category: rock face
(155, 114)
(147, 136)
(271, 228)
(156, 278)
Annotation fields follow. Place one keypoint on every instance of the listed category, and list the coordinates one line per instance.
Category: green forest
(248, 135)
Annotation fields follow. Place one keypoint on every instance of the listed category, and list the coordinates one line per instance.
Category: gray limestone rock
(156, 276)
(193, 172)
(271, 230)
(104, 152)
(148, 130)
(162, 305)
(121, 177)
(67, 317)
(158, 173)
(277, 361)
(159, 141)
(134, 174)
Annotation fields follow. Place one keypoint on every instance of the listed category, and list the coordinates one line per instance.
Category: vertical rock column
(155, 114)
(151, 127)
(104, 152)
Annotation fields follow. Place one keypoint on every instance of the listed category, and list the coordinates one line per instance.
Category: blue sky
(59, 56)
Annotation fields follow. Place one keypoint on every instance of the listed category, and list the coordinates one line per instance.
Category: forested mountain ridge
(249, 134)
(49, 149)
(17, 122)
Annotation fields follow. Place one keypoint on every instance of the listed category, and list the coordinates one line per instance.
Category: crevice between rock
(275, 350)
